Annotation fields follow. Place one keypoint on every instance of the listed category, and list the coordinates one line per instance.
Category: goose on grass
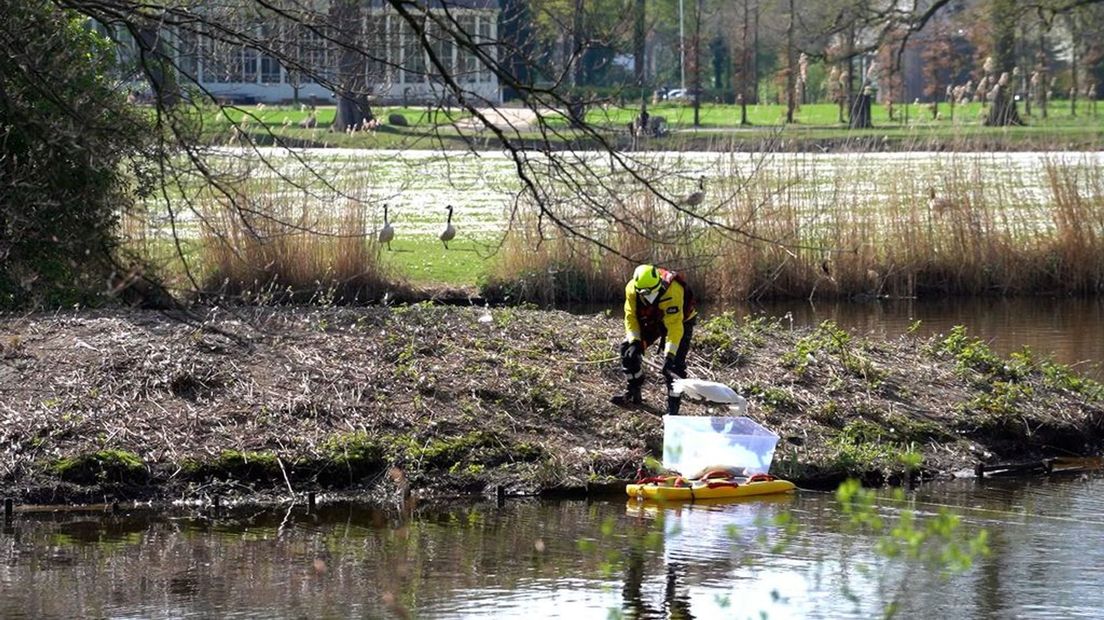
(449, 233)
(387, 233)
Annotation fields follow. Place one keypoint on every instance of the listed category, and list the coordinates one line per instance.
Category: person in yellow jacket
(658, 305)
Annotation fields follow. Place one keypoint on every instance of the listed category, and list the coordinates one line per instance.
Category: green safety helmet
(647, 282)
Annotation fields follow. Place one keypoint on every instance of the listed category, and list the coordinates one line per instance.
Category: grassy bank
(816, 129)
(439, 401)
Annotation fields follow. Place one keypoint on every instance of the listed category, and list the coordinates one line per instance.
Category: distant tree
(515, 28)
(791, 63)
(744, 54)
(347, 24)
(937, 57)
(640, 47)
(695, 61)
(1003, 16)
(1093, 53)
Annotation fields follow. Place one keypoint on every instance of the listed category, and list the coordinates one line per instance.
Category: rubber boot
(630, 398)
(674, 403)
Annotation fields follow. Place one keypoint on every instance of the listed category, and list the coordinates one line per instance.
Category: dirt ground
(441, 401)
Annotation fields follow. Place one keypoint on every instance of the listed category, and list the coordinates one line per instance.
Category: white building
(396, 67)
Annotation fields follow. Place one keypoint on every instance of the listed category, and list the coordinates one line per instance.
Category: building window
(486, 42)
(312, 55)
(270, 70)
(249, 65)
(187, 54)
(441, 44)
(270, 66)
(468, 66)
(376, 37)
(413, 60)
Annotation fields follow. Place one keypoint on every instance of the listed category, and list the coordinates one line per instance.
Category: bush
(71, 144)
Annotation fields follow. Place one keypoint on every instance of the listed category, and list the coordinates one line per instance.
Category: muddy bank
(439, 401)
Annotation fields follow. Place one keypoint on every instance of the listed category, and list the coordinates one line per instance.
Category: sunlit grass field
(912, 125)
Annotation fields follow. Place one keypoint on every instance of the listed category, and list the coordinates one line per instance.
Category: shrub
(73, 150)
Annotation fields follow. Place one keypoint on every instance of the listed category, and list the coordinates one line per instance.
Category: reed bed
(790, 231)
(797, 226)
(268, 251)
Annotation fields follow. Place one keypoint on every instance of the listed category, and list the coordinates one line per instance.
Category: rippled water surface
(1071, 330)
(531, 558)
(484, 186)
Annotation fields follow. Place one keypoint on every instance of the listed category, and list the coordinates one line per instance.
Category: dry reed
(279, 252)
(816, 239)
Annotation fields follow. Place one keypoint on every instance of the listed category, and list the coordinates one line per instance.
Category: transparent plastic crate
(692, 443)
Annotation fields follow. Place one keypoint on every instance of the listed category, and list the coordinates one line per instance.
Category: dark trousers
(633, 366)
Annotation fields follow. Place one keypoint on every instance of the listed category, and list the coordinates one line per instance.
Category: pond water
(484, 185)
(532, 558)
(1069, 329)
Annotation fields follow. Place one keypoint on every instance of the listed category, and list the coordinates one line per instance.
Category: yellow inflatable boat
(714, 485)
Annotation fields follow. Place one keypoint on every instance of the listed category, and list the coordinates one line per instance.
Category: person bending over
(659, 306)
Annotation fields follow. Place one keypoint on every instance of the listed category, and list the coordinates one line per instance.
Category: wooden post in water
(310, 501)
(500, 494)
(9, 507)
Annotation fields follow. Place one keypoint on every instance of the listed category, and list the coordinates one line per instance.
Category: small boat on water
(729, 455)
(712, 485)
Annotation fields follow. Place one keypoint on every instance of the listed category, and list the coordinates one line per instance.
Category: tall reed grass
(794, 231)
(281, 252)
(267, 235)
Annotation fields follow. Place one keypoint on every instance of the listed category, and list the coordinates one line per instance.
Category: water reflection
(1070, 329)
(559, 559)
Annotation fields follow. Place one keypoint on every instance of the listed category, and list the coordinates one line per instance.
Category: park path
(515, 119)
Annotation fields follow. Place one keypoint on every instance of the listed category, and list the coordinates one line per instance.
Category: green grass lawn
(432, 128)
(280, 115)
(424, 260)
(827, 115)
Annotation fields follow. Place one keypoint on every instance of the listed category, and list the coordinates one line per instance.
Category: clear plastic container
(694, 443)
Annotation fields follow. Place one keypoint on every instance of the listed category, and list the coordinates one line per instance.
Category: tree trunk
(578, 44)
(351, 88)
(849, 82)
(745, 64)
(755, 57)
(1075, 41)
(1003, 111)
(791, 70)
(515, 28)
(1044, 79)
(1024, 56)
(696, 76)
(639, 49)
(158, 67)
(860, 112)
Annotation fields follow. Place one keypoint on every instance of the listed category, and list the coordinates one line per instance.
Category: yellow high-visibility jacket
(673, 307)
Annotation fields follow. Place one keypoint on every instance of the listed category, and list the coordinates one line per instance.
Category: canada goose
(387, 233)
(450, 231)
(697, 197)
(938, 205)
